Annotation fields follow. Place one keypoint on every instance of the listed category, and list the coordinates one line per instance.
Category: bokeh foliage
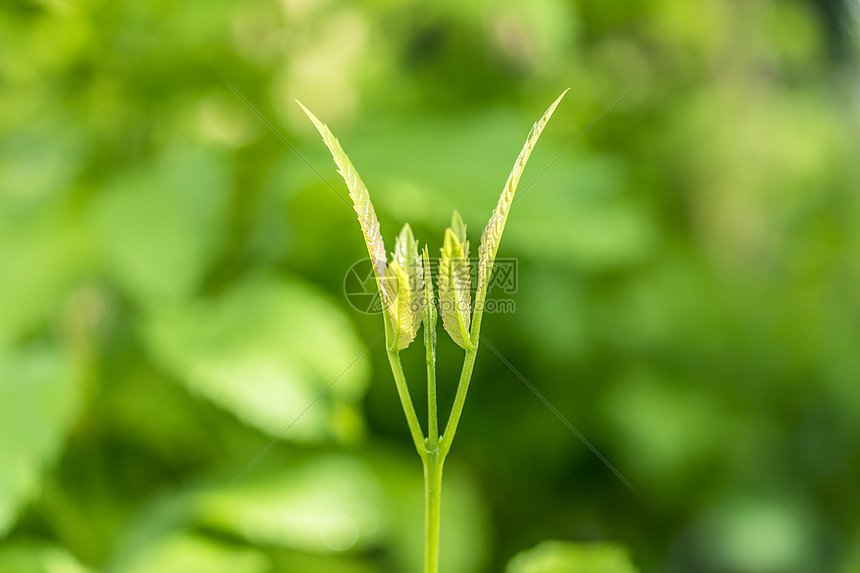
(171, 284)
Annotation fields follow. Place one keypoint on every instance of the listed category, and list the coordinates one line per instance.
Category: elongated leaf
(493, 232)
(403, 321)
(406, 254)
(361, 203)
(454, 281)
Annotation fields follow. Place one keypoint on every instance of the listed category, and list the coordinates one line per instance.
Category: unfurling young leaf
(454, 282)
(402, 317)
(406, 289)
(492, 234)
(405, 282)
(406, 253)
(361, 202)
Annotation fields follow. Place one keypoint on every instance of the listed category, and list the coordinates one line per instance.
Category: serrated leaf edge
(362, 204)
(454, 288)
(492, 235)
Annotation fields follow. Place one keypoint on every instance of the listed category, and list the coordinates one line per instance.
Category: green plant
(407, 294)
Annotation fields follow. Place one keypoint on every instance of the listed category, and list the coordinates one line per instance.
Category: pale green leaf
(406, 254)
(403, 319)
(42, 256)
(361, 203)
(492, 234)
(161, 226)
(327, 505)
(186, 553)
(454, 283)
(39, 398)
(561, 557)
(458, 226)
(264, 351)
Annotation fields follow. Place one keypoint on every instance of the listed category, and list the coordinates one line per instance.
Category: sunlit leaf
(328, 505)
(42, 158)
(360, 201)
(454, 283)
(38, 401)
(406, 254)
(42, 256)
(492, 234)
(404, 281)
(185, 553)
(400, 310)
(265, 350)
(160, 225)
(560, 557)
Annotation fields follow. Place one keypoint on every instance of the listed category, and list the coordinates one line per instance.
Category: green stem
(432, 412)
(433, 463)
(459, 401)
(466, 373)
(406, 401)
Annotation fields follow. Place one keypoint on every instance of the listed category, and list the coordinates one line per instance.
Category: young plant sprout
(407, 295)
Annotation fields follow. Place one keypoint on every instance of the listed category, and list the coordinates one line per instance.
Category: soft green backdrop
(171, 285)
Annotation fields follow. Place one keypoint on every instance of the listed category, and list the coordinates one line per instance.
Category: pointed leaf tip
(458, 226)
(454, 283)
(361, 203)
(492, 235)
(406, 256)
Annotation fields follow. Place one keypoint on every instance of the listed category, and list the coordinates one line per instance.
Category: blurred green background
(171, 284)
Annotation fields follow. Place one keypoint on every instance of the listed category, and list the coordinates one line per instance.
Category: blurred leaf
(162, 225)
(41, 257)
(757, 534)
(38, 558)
(264, 351)
(40, 160)
(38, 402)
(287, 560)
(184, 553)
(671, 428)
(561, 557)
(601, 233)
(688, 269)
(327, 505)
